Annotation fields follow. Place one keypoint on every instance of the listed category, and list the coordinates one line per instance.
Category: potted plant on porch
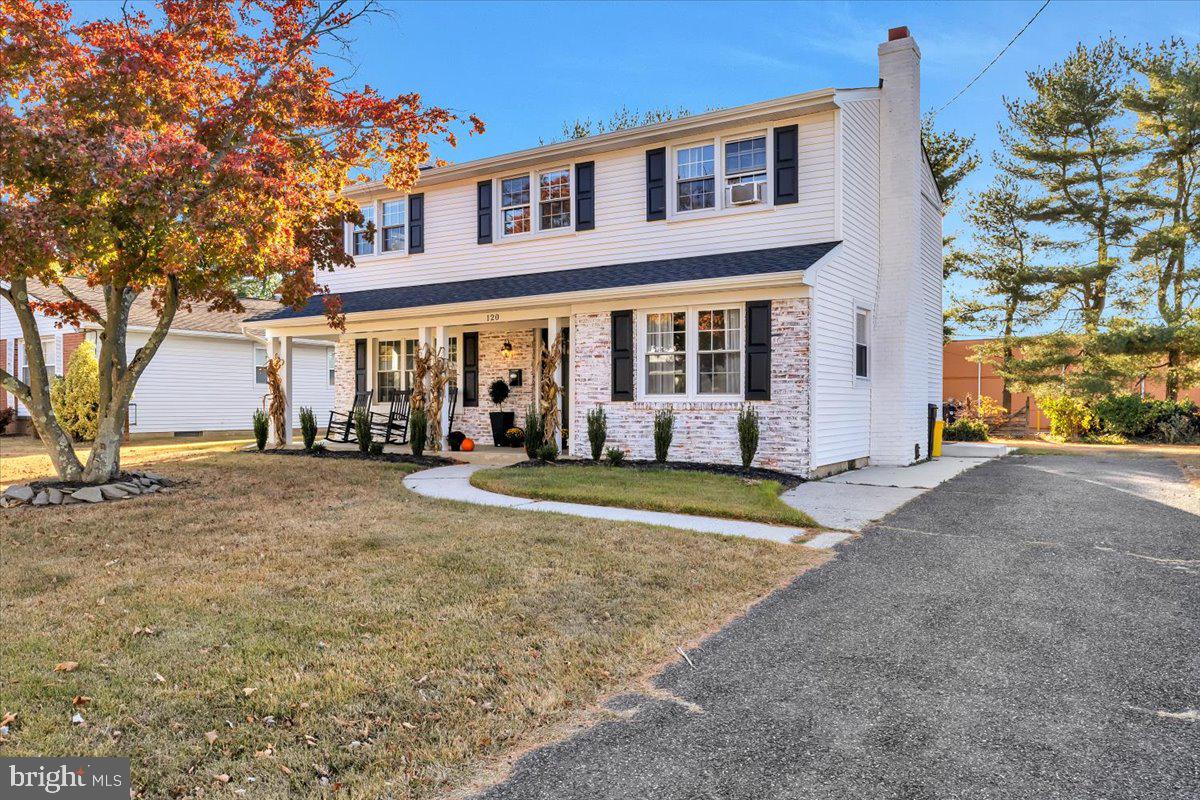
(501, 420)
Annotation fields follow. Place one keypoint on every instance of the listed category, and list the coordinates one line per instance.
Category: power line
(994, 60)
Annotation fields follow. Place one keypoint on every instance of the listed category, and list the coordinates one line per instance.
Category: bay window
(363, 239)
(554, 199)
(514, 205)
(694, 178)
(393, 226)
(693, 352)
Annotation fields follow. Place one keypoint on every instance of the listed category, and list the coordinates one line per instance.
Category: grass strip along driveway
(652, 489)
(286, 626)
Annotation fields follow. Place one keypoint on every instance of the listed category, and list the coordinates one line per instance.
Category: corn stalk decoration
(277, 410)
(548, 386)
(438, 368)
(420, 367)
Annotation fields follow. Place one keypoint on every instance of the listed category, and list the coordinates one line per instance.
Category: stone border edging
(131, 484)
(454, 483)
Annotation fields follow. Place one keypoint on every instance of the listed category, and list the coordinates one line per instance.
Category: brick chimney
(899, 382)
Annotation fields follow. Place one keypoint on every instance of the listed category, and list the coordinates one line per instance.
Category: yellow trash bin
(937, 438)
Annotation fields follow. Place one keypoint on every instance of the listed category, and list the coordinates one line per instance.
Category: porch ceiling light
(506, 349)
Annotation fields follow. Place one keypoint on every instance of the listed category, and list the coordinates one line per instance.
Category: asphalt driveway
(1029, 629)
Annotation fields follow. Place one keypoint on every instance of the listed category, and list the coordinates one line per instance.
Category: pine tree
(951, 158)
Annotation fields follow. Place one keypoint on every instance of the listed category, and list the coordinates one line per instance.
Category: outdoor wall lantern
(506, 349)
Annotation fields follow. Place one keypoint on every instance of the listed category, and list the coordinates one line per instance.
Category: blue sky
(525, 68)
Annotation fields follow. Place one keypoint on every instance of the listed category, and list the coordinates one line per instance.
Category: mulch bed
(786, 479)
(391, 458)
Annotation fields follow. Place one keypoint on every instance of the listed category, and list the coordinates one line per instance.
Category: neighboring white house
(785, 253)
(207, 375)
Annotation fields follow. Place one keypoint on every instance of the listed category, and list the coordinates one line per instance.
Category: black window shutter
(416, 223)
(585, 196)
(787, 165)
(484, 234)
(622, 356)
(360, 365)
(656, 184)
(470, 369)
(758, 350)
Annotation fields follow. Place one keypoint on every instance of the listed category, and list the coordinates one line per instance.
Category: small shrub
(535, 431)
(376, 448)
(319, 447)
(7, 415)
(965, 430)
(418, 431)
(1124, 415)
(515, 436)
(1177, 429)
(548, 452)
(1160, 412)
(308, 427)
(747, 428)
(597, 424)
(75, 397)
(362, 430)
(261, 423)
(1069, 416)
(664, 431)
(615, 456)
(498, 391)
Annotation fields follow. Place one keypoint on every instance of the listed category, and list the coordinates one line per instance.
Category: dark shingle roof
(642, 273)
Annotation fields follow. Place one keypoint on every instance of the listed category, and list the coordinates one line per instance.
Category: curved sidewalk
(454, 483)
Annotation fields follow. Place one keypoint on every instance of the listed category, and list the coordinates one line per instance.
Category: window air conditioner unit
(744, 194)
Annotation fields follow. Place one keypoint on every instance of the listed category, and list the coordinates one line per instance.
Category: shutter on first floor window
(416, 223)
(470, 369)
(758, 350)
(585, 196)
(484, 212)
(622, 356)
(656, 184)
(787, 165)
(360, 365)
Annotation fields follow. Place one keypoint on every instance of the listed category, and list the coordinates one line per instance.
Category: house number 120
(491, 317)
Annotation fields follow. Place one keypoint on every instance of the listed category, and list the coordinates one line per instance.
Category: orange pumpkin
(468, 445)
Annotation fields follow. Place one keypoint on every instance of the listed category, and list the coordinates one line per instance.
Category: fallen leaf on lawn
(158, 677)
(80, 700)
(222, 778)
(324, 773)
(211, 736)
(408, 725)
(9, 718)
(66, 666)
(267, 753)
(102, 601)
(146, 631)
(249, 690)
(284, 769)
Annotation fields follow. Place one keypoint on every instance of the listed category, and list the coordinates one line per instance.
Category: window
(746, 163)
(554, 199)
(862, 330)
(393, 226)
(387, 367)
(410, 362)
(514, 205)
(666, 353)
(364, 236)
(694, 178)
(260, 364)
(331, 364)
(452, 357)
(719, 351)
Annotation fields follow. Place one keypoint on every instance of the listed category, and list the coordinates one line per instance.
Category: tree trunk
(1174, 362)
(104, 464)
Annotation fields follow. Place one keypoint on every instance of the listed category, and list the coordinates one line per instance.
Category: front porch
(487, 455)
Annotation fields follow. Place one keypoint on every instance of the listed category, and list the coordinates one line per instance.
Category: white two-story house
(785, 254)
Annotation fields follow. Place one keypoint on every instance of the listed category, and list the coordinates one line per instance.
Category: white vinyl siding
(621, 234)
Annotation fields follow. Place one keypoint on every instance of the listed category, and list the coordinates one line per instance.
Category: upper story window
(514, 205)
(363, 241)
(695, 186)
(392, 228)
(746, 167)
(554, 199)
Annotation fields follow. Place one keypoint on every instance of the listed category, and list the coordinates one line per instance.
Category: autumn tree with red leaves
(176, 155)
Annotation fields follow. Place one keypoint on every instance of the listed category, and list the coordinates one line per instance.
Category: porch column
(441, 343)
(282, 346)
(552, 331)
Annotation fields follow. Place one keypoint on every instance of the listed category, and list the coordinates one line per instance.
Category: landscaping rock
(145, 481)
(42, 499)
(131, 488)
(70, 500)
(56, 496)
(89, 494)
(152, 488)
(19, 493)
(112, 492)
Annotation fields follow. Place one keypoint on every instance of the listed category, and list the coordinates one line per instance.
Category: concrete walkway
(454, 483)
(852, 500)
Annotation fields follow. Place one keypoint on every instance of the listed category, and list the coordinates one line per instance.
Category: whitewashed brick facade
(704, 431)
(494, 365)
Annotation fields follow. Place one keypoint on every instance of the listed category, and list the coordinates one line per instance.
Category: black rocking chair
(392, 427)
(341, 423)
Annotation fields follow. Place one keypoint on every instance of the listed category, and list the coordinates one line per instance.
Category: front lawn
(653, 489)
(286, 626)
